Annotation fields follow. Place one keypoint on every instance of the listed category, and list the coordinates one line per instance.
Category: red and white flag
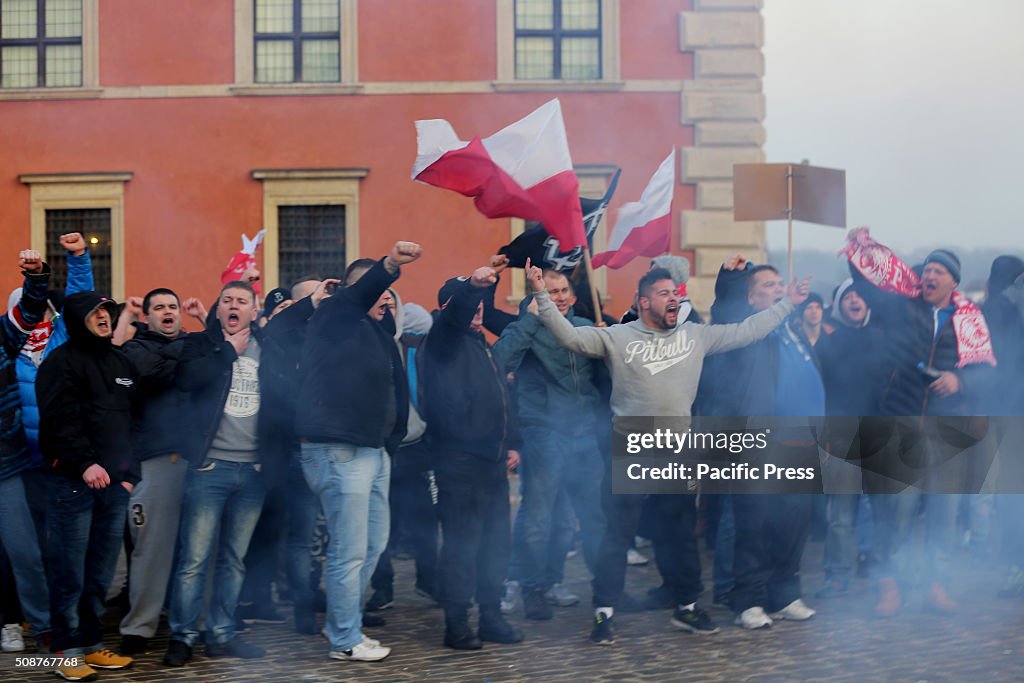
(522, 171)
(643, 227)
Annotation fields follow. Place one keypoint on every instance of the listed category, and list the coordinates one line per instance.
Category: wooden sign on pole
(768, 192)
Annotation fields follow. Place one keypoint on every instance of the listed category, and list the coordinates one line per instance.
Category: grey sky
(920, 101)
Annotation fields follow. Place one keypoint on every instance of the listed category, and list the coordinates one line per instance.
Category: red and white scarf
(882, 268)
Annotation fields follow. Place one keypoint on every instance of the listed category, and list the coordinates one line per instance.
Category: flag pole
(598, 317)
(789, 215)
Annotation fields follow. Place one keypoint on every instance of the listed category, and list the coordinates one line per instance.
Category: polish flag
(522, 171)
(643, 227)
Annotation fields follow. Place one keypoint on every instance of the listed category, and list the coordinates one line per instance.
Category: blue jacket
(79, 280)
(15, 326)
(557, 389)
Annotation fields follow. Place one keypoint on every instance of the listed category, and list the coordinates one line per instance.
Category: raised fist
(134, 306)
(73, 242)
(195, 308)
(405, 252)
(798, 291)
(534, 276)
(499, 262)
(735, 262)
(483, 276)
(30, 260)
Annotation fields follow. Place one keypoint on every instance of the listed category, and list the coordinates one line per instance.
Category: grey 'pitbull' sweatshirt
(655, 373)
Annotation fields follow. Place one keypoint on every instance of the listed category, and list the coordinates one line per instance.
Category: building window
(312, 222)
(558, 40)
(89, 203)
(311, 241)
(298, 41)
(94, 224)
(40, 43)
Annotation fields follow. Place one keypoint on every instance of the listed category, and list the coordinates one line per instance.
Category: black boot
(536, 606)
(494, 628)
(457, 633)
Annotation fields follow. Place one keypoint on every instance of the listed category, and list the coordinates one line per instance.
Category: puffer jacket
(15, 326)
(79, 280)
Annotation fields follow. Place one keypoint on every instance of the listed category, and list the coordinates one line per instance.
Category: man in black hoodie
(155, 506)
(85, 390)
(471, 433)
(351, 414)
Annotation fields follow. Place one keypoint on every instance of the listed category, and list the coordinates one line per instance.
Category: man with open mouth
(85, 390)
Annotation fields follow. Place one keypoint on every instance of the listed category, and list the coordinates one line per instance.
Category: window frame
(610, 54)
(245, 53)
(557, 34)
(296, 187)
(89, 40)
(81, 191)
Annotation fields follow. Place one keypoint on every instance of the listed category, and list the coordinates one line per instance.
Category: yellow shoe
(76, 672)
(105, 659)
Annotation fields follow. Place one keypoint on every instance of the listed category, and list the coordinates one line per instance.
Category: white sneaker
(513, 597)
(635, 559)
(753, 618)
(12, 638)
(362, 652)
(561, 596)
(370, 641)
(795, 611)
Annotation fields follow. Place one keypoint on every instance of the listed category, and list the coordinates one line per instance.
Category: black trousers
(672, 520)
(413, 517)
(771, 530)
(474, 507)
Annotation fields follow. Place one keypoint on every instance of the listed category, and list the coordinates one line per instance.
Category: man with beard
(665, 386)
(155, 505)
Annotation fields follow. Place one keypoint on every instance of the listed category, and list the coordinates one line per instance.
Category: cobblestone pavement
(844, 643)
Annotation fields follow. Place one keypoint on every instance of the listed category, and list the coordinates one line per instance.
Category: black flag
(544, 250)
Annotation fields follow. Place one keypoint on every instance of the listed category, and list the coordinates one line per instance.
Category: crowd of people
(207, 457)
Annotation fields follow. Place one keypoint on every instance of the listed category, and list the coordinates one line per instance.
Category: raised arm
(587, 341)
(80, 277)
(28, 312)
(516, 339)
(721, 338)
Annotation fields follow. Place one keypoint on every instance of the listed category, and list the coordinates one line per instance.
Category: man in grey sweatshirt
(655, 363)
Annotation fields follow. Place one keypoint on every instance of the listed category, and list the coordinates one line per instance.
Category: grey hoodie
(655, 372)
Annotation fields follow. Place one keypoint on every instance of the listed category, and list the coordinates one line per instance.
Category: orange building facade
(166, 130)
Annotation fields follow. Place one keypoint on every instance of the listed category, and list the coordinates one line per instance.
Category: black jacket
(353, 385)
(466, 400)
(283, 339)
(908, 325)
(85, 390)
(1006, 325)
(204, 374)
(156, 427)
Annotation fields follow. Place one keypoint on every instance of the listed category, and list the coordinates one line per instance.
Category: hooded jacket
(1004, 313)
(157, 426)
(556, 389)
(466, 398)
(854, 363)
(79, 280)
(409, 336)
(85, 391)
(15, 326)
(353, 387)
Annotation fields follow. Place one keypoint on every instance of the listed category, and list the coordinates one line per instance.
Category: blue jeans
(222, 504)
(896, 515)
(563, 534)
(303, 507)
(723, 576)
(18, 535)
(840, 537)
(352, 484)
(85, 528)
(552, 468)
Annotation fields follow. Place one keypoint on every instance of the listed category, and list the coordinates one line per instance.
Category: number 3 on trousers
(138, 514)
